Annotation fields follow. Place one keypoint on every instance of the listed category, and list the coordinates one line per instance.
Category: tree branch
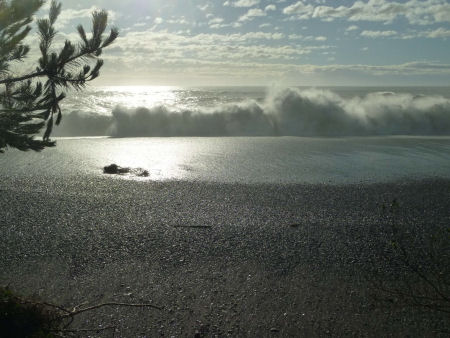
(22, 78)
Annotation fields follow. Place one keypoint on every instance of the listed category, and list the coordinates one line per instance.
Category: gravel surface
(221, 259)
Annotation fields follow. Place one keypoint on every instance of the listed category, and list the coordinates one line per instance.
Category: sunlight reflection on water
(162, 159)
(102, 100)
(243, 159)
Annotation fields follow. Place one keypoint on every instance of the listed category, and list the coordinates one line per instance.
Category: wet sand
(221, 259)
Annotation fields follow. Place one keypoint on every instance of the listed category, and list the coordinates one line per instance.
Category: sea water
(250, 134)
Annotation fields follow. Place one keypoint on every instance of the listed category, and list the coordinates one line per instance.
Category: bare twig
(86, 330)
(62, 318)
(24, 301)
(193, 226)
(90, 308)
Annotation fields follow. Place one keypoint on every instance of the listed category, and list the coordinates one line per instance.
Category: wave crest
(289, 112)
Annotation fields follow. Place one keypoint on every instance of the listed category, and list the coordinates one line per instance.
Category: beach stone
(114, 169)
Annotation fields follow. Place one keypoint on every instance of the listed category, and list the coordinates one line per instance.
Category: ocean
(250, 134)
(264, 210)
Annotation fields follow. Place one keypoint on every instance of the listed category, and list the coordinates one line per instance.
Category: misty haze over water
(253, 111)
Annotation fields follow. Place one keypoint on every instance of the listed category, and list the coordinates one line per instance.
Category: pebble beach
(219, 259)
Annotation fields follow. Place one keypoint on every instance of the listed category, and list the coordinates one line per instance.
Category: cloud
(415, 12)
(295, 37)
(252, 13)
(242, 3)
(437, 33)
(262, 35)
(270, 8)
(378, 34)
(306, 38)
(215, 21)
(178, 21)
(408, 68)
(204, 7)
(147, 47)
(300, 10)
(352, 28)
(68, 15)
(235, 67)
(254, 57)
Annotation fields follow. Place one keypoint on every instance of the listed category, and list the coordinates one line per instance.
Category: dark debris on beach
(114, 169)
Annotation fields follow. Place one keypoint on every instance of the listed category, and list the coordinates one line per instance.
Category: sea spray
(283, 112)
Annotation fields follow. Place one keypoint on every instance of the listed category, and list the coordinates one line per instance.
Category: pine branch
(22, 101)
(22, 78)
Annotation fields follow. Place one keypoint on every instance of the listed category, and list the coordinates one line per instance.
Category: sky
(279, 42)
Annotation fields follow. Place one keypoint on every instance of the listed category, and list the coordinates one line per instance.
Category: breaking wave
(286, 112)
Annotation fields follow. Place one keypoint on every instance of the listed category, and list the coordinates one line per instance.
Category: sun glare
(141, 96)
(163, 160)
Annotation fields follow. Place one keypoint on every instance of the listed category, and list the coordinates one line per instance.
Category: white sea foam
(289, 111)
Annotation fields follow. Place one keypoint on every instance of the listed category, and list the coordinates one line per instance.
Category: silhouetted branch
(98, 306)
